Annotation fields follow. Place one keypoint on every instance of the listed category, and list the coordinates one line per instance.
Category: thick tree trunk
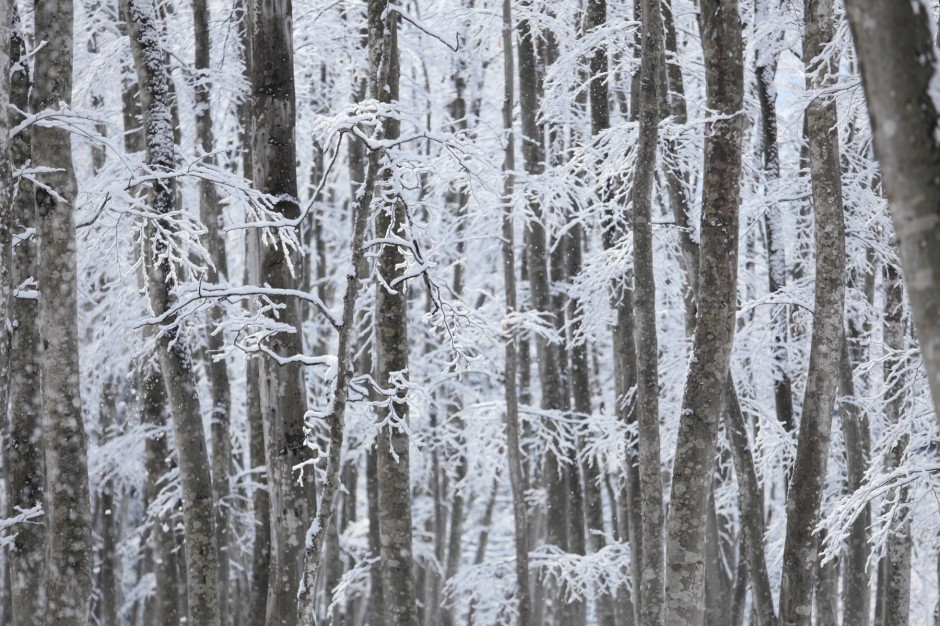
(647, 350)
(897, 579)
(897, 57)
(23, 442)
(173, 351)
(6, 200)
(517, 476)
(67, 506)
(283, 395)
(809, 470)
(716, 297)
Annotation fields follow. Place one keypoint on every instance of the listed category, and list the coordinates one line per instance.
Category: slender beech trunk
(716, 298)
(537, 255)
(6, 198)
(595, 16)
(347, 338)
(644, 287)
(210, 212)
(173, 352)
(752, 511)
(773, 228)
(856, 582)
(23, 445)
(283, 395)
(391, 337)
(809, 470)
(897, 560)
(826, 594)
(67, 506)
(897, 57)
(165, 606)
(108, 574)
(517, 476)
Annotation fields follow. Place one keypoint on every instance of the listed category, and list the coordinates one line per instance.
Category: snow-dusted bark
(897, 558)
(647, 347)
(210, 211)
(809, 470)
(172, 347)
(67, 506)
(716, 298)
(23, 443)
(517, 477)
(283, 396)
(898, 59)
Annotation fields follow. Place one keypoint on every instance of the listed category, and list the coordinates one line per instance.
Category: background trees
(450, 301)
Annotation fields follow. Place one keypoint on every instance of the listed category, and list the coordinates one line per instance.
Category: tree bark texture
(897, 56)
(715, 317)
(283, 395)
(202, 565)
(517, 476)
(23, 443)
(647, 346)
(897, 559)
(210, 212)
(809, 471)
(67, 506)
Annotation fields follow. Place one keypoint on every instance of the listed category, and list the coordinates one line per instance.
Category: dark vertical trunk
(517, 476)
(897, 559)
(283, 395)
(210, 211)
(23, 441)
(173, 351)
(716, 297)
(647, 350)
(67, 507)
(809, 471)
(897, 56)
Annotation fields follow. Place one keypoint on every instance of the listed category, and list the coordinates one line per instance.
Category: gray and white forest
(469, 312)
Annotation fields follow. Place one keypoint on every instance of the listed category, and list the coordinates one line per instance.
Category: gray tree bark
(776, 253)
(23, 443)
(173, 350)
(715, 317)
(67, 506)
(809, 470)
(517, 476)
(896, 57)
(210, 212)
(283, 395)
(391, 343)
(647, 347)
(897, 560)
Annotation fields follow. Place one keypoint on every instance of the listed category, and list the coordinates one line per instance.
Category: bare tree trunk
(716, 297)
(173, 351)
(856, 592)
(211, 214)
(826, 605)
(647, 350)
(67, 506)
(776, 254)
(6, 202)
(517, 476)
(23, 442)
(809, 470)
(897, 56)
(165, 607)
(108, 574)
(752, 510)
(283, 395)
(897, 589)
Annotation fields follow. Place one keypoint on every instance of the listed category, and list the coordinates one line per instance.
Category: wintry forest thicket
(469, 312)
